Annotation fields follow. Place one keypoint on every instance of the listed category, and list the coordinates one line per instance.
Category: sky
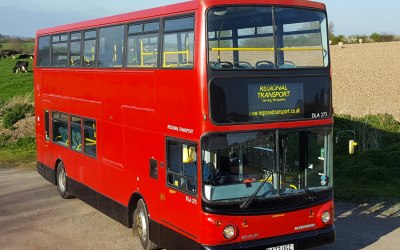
(24, 17)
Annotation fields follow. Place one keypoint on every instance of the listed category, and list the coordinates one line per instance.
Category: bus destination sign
(275, 101)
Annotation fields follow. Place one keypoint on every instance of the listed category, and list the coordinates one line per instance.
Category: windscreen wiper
(311, 195)
(245, 205)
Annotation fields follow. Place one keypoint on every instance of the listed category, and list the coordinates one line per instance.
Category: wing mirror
(352, 143)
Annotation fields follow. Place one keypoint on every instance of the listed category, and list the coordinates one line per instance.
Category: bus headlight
(229, 232)
(326, 217)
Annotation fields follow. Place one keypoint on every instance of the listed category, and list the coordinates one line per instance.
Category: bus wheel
(62, 181)
(141, 226)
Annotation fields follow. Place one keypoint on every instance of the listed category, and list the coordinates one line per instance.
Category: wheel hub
(141, 225)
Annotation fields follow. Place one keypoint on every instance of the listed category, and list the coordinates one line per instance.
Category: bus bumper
(301, 241)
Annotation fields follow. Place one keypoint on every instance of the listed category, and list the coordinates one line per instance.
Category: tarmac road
(33, 216)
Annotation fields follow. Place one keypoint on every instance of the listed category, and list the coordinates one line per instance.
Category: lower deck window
(182, 166)
(60, 128)
(74, 132)
(90, 137)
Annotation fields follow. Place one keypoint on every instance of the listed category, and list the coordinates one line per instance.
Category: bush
(16, 113)
(376, 37)
(4, 140)
(24, 143)
(21, 144)
(373, 132)
(373, 171)
(338, 39)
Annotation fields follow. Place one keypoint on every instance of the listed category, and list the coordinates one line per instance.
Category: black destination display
(275, 101)
(255, 100)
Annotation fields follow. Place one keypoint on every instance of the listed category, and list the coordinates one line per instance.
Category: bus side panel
(140, 148)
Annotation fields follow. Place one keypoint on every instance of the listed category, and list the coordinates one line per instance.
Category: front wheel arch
(141, 225)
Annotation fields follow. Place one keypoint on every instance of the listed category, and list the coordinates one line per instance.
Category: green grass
(373, 172)
(12, 84)
(22, 159)
(19, 153)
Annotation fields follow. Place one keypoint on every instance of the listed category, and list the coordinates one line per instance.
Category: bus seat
(174, 164)
(78, 138)
(265, 65)
(190, 170)
(74, 144)
(64, 134)
(207, 171)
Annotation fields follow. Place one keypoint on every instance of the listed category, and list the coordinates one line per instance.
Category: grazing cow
(10, 53)
(21, 66)
(25, 56)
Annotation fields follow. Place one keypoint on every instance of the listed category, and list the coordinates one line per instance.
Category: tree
(375, 37)
(338, 39)
(331, 29)
(17, 44)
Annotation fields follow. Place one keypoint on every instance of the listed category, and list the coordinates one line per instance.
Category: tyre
(62, 182)
(141, 226)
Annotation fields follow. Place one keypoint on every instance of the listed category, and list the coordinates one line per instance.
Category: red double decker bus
(201, 125)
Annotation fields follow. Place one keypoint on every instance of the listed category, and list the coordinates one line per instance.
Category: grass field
(14, 84)
(20, 153)
(15, 151)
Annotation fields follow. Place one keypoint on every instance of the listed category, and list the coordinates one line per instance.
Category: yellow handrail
(184, 52)
(242, 49)
(299, 49)
(143, 54)
(265, 49)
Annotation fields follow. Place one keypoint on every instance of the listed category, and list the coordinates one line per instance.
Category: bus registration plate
(283, 247)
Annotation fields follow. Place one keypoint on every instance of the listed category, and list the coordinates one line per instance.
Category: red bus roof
(170, 10)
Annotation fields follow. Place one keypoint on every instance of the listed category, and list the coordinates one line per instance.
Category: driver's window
(182, 166)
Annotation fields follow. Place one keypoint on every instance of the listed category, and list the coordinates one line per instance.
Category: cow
(21, 66)
(10, 53)
(25, 56)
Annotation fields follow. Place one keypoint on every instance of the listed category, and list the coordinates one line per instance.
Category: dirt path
(33, 216)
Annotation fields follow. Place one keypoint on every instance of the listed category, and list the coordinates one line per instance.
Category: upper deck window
(89, 48)
(59, 50)
(111, 46)
(256, 37)
(75, 59)
(178, 44)
(143, 45)
(43, 51)
(302, 39)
